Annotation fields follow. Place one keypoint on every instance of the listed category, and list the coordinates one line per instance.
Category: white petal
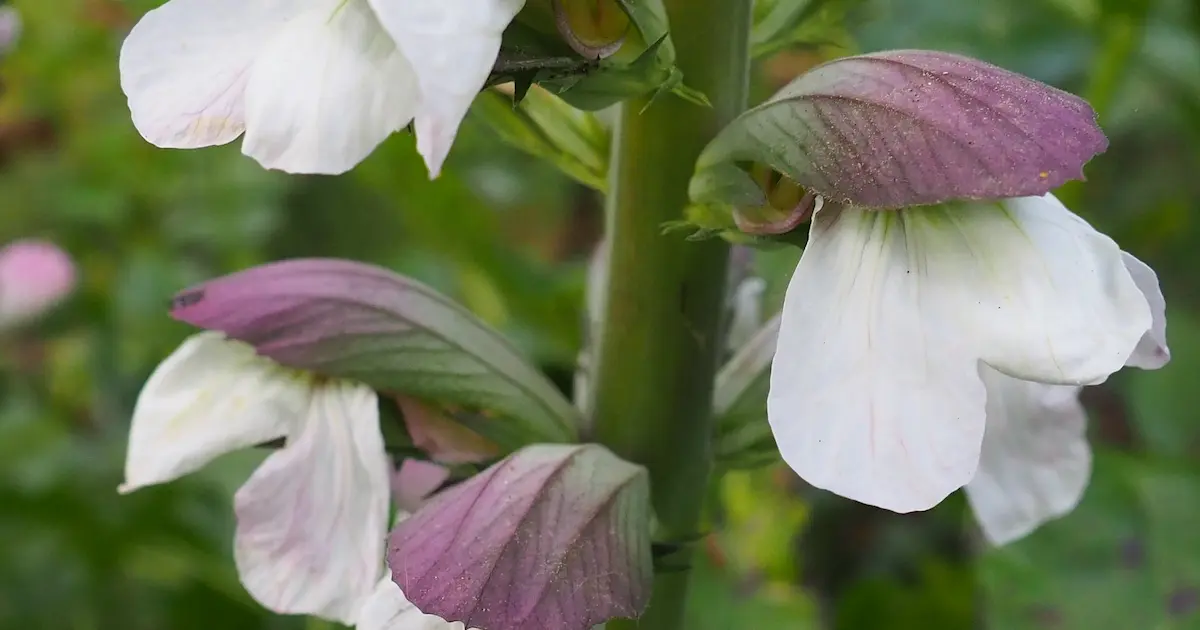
(210, 397)
(871, 395)
(1046, 297)
(452, 45)
(875, 392)
(1152, 351)
(313, 518)
(1035, 462)
(184, 67)
(326, 91)
(388, 609)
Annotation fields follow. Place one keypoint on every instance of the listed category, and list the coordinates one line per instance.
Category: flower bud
(787, 206)
(594, 29)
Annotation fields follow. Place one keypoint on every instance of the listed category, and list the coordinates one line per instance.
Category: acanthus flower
(315, 85)
(912, 339)
(895, 321)
(312, 519)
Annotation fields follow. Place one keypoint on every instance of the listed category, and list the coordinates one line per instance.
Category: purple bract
(555, 536)
(909, 127)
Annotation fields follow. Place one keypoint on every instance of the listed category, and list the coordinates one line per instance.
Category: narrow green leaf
(782, 24)
(743, 436)
(546, 127)
(776, 20)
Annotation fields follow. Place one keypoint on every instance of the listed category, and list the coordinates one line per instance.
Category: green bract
(554, 44)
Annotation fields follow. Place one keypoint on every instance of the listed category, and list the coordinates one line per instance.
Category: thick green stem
(661, 336)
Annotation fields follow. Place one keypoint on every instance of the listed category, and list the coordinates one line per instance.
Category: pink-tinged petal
(313, 518)
(364, 323)
(452, 45)
(909, 127)
(210, 397)
(326, 90)
(185, 64)
(1152, 351)
(415, 481)
(34, 276)
(388, 609)
(552, 537)
(1035, 462)
(443, 438)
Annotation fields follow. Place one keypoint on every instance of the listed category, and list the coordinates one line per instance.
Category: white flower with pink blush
(932, 348)
(312, 519)
(313, 85)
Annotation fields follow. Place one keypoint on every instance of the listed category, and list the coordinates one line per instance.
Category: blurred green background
(510, 237)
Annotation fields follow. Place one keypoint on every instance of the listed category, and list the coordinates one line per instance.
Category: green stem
(661, 336)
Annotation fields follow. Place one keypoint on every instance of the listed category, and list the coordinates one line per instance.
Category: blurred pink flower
(10, 28)
(34, 276)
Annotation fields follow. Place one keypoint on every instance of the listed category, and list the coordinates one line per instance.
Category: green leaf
(743, 436)
(650, 18)
(543, 125)
(1127, 557)
(781, 24)
(775, 21)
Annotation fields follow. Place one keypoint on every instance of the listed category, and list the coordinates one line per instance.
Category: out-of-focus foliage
(508, 236)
